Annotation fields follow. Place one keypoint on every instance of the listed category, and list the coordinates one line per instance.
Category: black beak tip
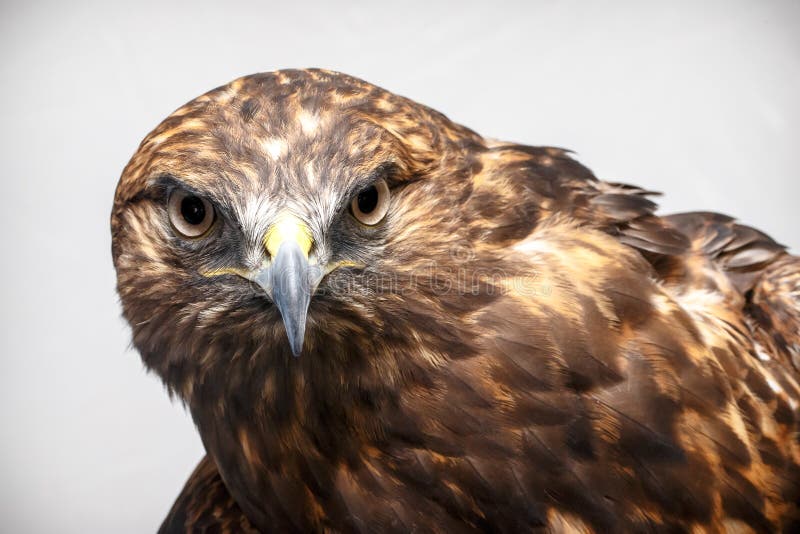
(294, 323)
(296, 346)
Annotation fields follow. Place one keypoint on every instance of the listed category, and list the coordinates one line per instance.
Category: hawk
(381, 321)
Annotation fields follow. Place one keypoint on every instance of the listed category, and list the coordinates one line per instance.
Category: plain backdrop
(696, 99)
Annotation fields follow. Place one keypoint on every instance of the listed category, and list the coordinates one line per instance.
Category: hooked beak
(289, 279)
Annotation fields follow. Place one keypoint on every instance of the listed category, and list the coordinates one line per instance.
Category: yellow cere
(344, 263)
(288, 228)
(226, 270)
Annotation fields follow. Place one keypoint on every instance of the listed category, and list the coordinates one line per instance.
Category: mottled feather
(518, 346)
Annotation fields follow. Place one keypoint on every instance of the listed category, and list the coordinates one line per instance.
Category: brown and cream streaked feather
(520, 346)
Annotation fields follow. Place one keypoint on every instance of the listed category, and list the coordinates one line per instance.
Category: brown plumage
(514, 346)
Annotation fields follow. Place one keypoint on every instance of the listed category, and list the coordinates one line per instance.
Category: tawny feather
(517, 346)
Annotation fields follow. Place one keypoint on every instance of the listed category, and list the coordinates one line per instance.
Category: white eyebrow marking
(254, 215)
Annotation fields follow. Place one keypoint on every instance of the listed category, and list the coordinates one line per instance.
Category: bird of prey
(381, 321)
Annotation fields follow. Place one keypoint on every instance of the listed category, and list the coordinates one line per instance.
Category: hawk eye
(190, 214)
(370, 205)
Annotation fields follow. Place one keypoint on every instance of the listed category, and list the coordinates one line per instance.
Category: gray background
(699, 100)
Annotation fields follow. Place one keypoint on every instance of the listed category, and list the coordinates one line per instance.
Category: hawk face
(297, 211)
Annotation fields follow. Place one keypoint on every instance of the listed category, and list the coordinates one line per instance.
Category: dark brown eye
(370, 205)
(190, 214)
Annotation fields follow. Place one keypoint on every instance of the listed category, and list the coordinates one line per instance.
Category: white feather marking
(275, 147)
(663, 303)
(311, 175)
(773, 385)
(761, 353)
(533, 246)
(308, 122)
(700, 301)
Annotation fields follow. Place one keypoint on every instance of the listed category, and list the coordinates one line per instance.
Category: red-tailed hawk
(383, 322)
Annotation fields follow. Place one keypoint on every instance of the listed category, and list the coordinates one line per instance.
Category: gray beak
(290, 281)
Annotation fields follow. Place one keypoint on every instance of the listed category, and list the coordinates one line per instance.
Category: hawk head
(294, 212)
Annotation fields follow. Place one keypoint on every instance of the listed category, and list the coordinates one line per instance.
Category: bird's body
(514, 346)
